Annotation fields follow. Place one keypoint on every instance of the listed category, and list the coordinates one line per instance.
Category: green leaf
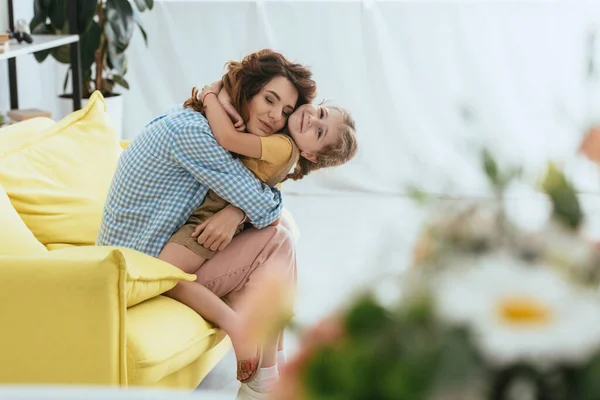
(123, 7)
(320, 376)
(419, 310)
(62, 54)
(566, 207)
(58, 15)
(87, 11)
(41, 8)
(150, 4)
(459, 365)
(588, 382)
(141, 5)
(121, 81)
(137, 19)
(365, 318)
(117, 61)
(90, 41)
(490, 166)
(42, 29)
(36, 21)
(360, 358)
(119, 28)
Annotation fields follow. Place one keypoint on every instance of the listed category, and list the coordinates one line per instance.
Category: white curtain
(427, 83)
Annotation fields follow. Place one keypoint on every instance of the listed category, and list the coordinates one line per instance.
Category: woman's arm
(223, 129)
(196, 150)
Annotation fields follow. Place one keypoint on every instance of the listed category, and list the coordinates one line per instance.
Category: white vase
(114, 109)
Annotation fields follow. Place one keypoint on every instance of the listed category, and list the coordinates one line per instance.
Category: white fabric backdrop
(404, 69)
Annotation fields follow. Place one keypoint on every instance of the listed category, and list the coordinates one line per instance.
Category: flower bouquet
(500, 302)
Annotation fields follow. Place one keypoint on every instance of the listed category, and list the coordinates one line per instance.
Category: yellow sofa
(71, 312)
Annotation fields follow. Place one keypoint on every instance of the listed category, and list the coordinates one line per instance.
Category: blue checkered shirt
(164, 175)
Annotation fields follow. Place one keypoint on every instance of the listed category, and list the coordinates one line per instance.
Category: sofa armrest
(63, 319)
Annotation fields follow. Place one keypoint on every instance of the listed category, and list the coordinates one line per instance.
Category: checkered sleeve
(195, 148)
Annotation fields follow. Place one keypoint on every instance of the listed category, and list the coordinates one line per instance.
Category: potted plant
(106, 28)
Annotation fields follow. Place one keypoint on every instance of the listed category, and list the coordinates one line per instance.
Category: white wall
(404, 70)
(3, 16)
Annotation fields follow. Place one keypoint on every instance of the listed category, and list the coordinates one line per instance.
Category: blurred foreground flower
(590, 146)
(501, 303)
(370, 352)
(268, 308)
(521, 313)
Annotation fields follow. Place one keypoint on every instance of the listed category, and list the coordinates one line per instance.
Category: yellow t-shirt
(276, 152)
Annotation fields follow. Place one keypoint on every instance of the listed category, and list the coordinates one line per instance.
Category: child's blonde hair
(340, 153)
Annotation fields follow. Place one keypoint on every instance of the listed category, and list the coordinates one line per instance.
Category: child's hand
(225, 100)
(214, 87)
(235, 117)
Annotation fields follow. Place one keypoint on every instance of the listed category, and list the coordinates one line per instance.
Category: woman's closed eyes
(286, 113)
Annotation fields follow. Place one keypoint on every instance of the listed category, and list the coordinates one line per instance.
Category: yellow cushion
(164, 336)
(58, 179)
(21, 133)
(15, 237)
(147, 276)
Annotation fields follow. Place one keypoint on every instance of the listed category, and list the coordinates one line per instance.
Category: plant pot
(114, 109)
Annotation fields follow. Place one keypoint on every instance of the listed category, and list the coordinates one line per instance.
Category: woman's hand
(216, 232)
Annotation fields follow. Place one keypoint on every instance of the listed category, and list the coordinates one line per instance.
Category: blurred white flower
(520, 312)
(591, 226)
(527, 208)
(572, 253)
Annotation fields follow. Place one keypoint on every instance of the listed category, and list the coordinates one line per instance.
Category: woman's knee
(282, 261)
(285, 234)
(287, 221)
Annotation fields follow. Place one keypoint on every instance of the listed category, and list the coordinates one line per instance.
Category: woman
(165, 174)
(316, 137)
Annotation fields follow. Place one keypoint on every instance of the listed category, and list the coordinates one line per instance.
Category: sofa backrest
(57, 175)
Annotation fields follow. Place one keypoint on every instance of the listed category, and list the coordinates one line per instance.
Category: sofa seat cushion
(163, 336)
(147, 276)
(58, 178)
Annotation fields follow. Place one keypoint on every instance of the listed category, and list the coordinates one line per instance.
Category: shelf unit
(40, 42)
(45, 42)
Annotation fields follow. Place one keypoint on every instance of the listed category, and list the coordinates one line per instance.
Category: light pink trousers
(236, 271)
